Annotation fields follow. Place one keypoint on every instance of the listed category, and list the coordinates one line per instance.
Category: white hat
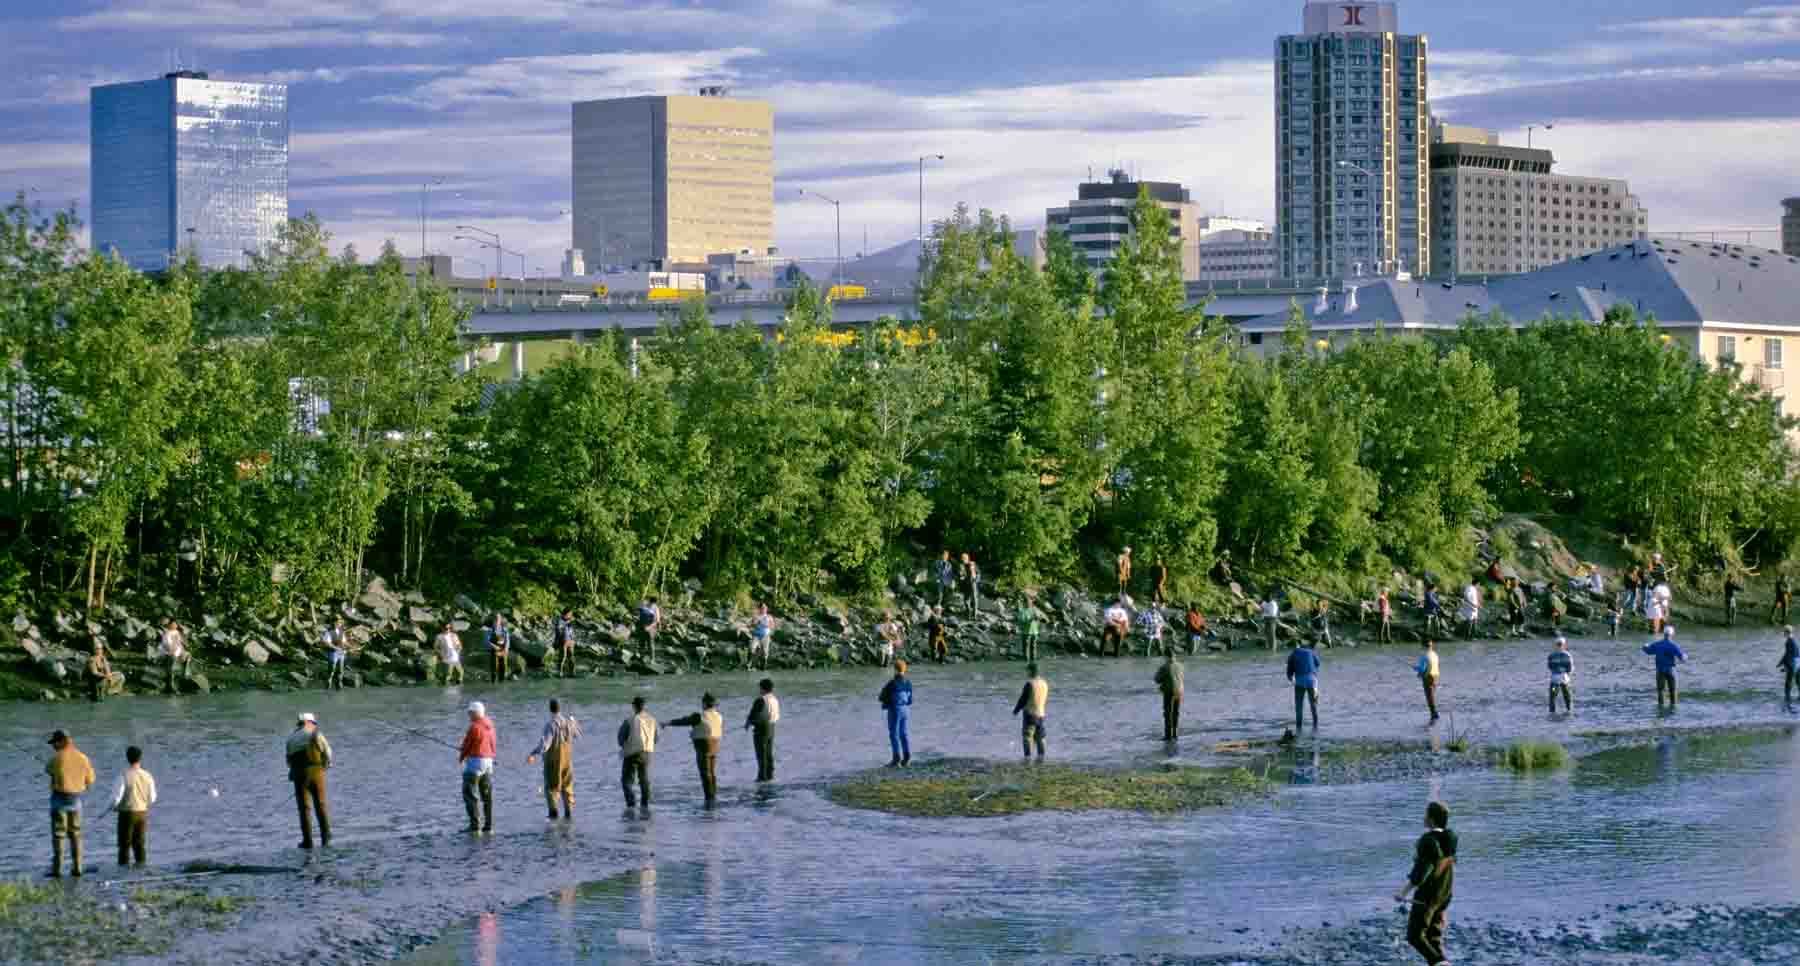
(1561, 640)
(478, 709)
(306, 717)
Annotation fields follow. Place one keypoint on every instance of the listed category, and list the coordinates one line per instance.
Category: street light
(922, 159)
(1532, 127)
(495, 245)
(1380, 264)
(424, 201)
(833, 202)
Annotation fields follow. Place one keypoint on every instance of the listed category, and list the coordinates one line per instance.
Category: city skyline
(384, 99)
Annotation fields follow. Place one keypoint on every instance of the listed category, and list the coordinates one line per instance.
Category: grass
(539, 354)
(1529, 755)
(56, 923)
(980, 789)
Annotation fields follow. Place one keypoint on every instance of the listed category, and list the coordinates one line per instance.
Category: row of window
(1727, 354)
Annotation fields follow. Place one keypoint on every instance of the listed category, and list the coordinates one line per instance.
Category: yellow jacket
(70, 771)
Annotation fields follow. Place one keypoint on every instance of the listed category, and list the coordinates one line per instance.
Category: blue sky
(1694, 102)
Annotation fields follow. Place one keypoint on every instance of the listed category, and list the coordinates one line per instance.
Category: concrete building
(1099, 219)
(1237, 254)
(1790, 226)
(671, 180)
(186, 164)
(1442, 133)
(1352, 128)
(1499, 210)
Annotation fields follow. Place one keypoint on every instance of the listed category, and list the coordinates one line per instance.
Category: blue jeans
(897, 738)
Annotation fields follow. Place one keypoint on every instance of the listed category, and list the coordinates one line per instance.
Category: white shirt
(142, 788)
(1471, 602)
(1116, 615)
(641, 735)
(449, 648)
(1271, 609)
(772, 706)
(173, 643)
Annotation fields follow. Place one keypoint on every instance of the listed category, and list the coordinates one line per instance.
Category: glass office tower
(187, 164)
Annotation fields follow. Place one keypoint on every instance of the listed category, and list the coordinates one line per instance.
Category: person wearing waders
(1169, 681)
(1033, 703)
(71, 774)
(1116, 628)
(1427, 669)
(637, 742)
(945, 572)
(132, 798)
(1271, 618)
(764, 712)
(564, 638)
(1790, 667)
(896, 699)
(476, 756)
(557, 748)
(1432, 883)
(707, 728)
(1783, 597)
(1303, 671)
(308, 758)
(1667, 654)
(1515, 606)
(1562, 674)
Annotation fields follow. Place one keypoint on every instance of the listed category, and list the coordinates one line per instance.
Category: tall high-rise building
(1790, 227)
(1099, 219)
(185, 164)
(1352, 128)
(671, 180)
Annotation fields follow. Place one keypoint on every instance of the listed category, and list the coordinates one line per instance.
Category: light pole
(495, 245)
(424, 203)
(1380, 187)
(833, 202)
(922, 159)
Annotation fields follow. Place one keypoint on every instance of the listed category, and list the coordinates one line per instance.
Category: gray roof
(1682, 283)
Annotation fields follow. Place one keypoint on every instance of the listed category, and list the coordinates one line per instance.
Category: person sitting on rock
(938, 633)
(99, 673)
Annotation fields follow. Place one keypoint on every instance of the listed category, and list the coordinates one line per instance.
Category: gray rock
(19, 623)
(421, 615)
(33, 648)
(255, 653)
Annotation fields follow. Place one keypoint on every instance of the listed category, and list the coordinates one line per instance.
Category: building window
(1727, 353)
(1771, 353)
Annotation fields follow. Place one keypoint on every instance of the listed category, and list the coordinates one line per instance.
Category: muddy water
(782, 875)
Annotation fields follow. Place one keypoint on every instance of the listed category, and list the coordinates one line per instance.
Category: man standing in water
(764, 712)
(1271, 618)
(71, 774)
(1432, 883)
(449, 650)
(1033, 703)
(498, 638)
(1026, 620)
(1790, 666)
(896, 699)
(707, 727)
(1427, 669)
(308, 757)
(1169, 682)
(1667, 654)
(477, 754)
(558, 751)
(1562, 673)
(132, 798)
(1303, 671)
(637, 742)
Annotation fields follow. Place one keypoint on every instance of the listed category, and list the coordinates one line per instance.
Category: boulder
(32, 648)
(196, 683)
(379, 599)
(532, 649)
(255, 653)
(421, 615)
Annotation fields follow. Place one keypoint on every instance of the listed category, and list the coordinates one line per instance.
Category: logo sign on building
(1342, 17)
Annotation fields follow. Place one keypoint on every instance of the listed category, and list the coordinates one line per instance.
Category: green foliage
(1531, 755)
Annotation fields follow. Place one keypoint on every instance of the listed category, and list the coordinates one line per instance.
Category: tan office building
(671, 180)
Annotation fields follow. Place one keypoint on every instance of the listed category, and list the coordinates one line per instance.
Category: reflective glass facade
(184, 163)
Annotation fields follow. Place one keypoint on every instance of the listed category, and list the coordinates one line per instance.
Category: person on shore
(969, 576)
(1123, 569)
(762, 631)
(337, 646)
(896, 699)
(1515, 606)
(1562, 675)
(175, 654)
(132, 797)
(498, 640)
(1613, 619)
(1271, 619)
(1471, 609)
(938, 634)
(449, 652)
(557, 748)
(1431, 882)
(707, 728)
(1197, 631)
(1667, 654)
(1434, 610)
(308, 758)
(1384, 611)
(1169, 682)
(765, 711)
(1028, 623)
(1784, 596)
(1116, 628)
(1159, 582)
(1634, 585)
(1596, 582)
(893, 638)
(98, 672)
(1303, 671)
(1553, 600)
(1034, 704)
(1660, 599)
(563, 638)
(1321, 622)
(945, 572)
(1659, 571)
(637, 743)
(1427, 669)
(71, 775)
(1790, 667)
(476, 756)
(649, 624)
(1733, 587)
(1221, 570)
(1152, 624)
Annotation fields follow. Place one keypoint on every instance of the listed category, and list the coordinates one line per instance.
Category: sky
(1693, 102)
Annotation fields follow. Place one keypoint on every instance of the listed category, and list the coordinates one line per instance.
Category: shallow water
(783, 875)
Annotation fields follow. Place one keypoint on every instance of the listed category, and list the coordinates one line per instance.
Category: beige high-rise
(672, 179)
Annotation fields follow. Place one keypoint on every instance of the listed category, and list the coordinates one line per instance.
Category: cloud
(339, 75)
(1753, 89)
(1757, 26)
(558, 80)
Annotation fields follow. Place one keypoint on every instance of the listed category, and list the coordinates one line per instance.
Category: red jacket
(478, 741)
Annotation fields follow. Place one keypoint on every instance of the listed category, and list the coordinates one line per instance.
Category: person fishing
(637, 742)
(563, 637)
(1432, 883)
(449, 651)
(132, 797)
(71, 775)
(1033, 703)
(1427, 669)
(1151, 623)
(706, 727)
(896, 699)
(476, 756)
(765, 711)
(1667, 654)
(1168, 681)
(1515, 606)
(557, 748)
(1321, 622)
(1197, 630)
(308, 758)
(1562, 676)
(1790, 667)
(498, 640)
(1303, 671)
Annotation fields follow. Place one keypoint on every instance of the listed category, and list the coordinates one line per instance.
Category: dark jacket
(1303, 667)
(1790, 655)
(759, 714)
(1433, 872)
(897, 695)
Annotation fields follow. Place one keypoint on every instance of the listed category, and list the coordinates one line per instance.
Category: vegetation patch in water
(979, 789)
(1528, 755)
(57, 922)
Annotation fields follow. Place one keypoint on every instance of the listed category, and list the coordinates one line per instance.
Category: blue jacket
(494, 641)
(1790, 655)
(1303, 668)
(896, 695)
(1562, 662)
(1432, 604)
(1667, 653)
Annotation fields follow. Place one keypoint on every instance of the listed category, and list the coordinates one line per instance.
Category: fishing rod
(418, 734)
